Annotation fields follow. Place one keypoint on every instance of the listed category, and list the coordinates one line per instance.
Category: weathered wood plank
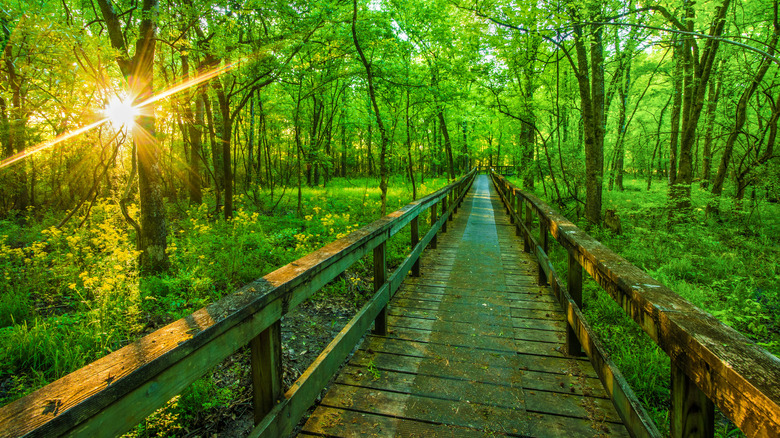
(415, 239)
(454, 413)
(266, 365)
(554, 426)
(574, 286)
(459, 339)
(462, 328)
(346, 423)
(692, 414)
(485, 393)
(533, 379)
(465, 370)
(488, 304)
(570, 405)
(380, 277)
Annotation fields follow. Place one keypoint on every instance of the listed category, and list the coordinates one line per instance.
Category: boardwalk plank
(470, 391)
(483, 372)
(436, 410)
(342, 423)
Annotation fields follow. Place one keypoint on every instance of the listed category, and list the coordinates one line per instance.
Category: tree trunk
(712, 106)
(311, 150)
(139, 73)
(657, 143)
(674, 130)
(343, 150)
(370, 152)
(251, 142)
(620, 154)
(193, 125)
(5, 130)
(527, 143)
(447, 143)
(298, 147)
(696, 79)
(383, 174)
(16, 133)
(225, 133)
(409, 148)
(216, 152)
(592, 102)
(464, 156)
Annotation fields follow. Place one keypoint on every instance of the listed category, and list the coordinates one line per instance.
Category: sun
(121, 112)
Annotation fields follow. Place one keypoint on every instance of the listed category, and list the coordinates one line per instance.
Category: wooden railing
(712, 364)
(111, 395)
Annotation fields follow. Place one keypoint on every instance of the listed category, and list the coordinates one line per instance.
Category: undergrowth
(69, 296)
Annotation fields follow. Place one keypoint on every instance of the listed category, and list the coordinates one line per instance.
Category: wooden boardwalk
(473, 349)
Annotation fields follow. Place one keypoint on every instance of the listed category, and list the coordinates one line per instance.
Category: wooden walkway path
(473, 349)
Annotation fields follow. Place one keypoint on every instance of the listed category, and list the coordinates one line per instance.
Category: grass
(726, 265)
(72, 295)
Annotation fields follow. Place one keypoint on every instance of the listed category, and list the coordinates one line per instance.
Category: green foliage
(199, 401)
(74, 294)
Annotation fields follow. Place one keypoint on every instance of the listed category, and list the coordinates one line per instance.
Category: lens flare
(121, 112)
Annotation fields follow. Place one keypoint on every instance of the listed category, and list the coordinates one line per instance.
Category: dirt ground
(306, 331)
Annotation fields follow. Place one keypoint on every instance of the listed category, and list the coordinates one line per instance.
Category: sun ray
(188, 84)
(120, 112)
(47, 144)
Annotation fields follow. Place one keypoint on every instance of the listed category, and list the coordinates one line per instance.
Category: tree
(590, 80)
(697, 67)
(742, 107)
(383, 171)
(138, 71)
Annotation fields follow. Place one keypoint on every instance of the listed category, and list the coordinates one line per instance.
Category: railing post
(543, 241)
(573, 347)
(452, 201)
(510, 205)
(444, 212)
(517, 206)
(266, 366)
(508, 195)
(415, 239)
(433, 221)
(692, 413)
(380, 277)
(528, 220)
(455, 200)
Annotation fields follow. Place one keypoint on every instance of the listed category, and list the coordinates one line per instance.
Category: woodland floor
(306, 331)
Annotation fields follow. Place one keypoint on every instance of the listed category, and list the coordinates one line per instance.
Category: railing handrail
(114, 393)
(728, 369)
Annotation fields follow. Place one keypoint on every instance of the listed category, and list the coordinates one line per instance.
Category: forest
(156, 155)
